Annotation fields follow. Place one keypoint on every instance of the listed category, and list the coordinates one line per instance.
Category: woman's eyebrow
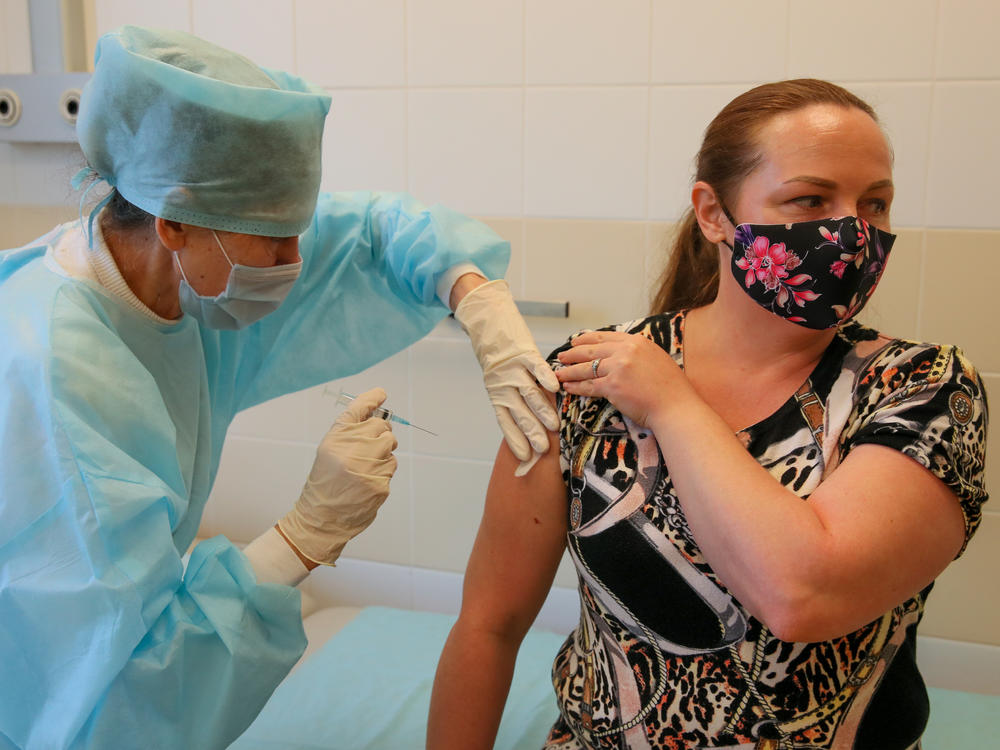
(830, 184)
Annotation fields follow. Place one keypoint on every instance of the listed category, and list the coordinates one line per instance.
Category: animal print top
(664, 656)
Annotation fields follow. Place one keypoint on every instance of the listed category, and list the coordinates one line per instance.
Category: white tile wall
(358, 43)
(859, 40)
(964, 155)
(263, 31)
(464, 150)
(364, 142)
(677, 118)
(449, 496)
(719, 42)
(585, 152)
(573, 124)
(164, 14)
(456, 42)
(904, 110)
(967, 45)
(587, 42)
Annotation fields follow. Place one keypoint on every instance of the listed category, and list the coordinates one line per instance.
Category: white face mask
(250, 294)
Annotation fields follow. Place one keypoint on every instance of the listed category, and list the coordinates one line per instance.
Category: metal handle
(538, 308)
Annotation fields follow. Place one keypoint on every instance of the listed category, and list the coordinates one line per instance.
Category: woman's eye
(808, 201)
(877, 206)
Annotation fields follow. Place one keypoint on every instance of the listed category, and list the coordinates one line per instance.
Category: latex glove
(348, 482)
(513, 370)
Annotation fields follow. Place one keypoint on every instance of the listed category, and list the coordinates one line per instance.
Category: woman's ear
(172, 234)
(709, 213)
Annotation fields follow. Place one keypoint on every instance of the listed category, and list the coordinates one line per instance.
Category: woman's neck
(734, 328)
(146, 266)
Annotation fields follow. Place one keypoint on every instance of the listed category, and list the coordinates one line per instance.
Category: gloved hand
(512, 370)
(348, 482)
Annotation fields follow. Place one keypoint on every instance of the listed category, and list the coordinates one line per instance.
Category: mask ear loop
(223, 249)
(729, 216)
(76, 182)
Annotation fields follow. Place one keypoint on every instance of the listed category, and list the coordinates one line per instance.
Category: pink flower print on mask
(837, 268)
(766, 263)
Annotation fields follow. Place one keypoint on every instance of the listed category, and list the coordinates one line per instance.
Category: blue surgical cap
(192, 132)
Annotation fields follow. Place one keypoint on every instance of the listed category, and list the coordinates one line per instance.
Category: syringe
(344, 398)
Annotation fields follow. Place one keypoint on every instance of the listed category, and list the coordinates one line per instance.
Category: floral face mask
(818, 274)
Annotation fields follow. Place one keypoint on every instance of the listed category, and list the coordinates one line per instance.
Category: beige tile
(448, 500)
(964, 604)
(511, 230)
(597, 265)
(15, 38)
(659, 242)
(22, 224)
(893, 308)
(960, 304)
(991, 382)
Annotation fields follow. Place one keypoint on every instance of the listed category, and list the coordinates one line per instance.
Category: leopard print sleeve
(928, 402)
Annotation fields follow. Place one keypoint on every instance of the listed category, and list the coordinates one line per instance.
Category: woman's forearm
(762, 540)
(470, 689)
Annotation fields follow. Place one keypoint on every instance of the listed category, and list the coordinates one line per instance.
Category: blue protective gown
(111, 429)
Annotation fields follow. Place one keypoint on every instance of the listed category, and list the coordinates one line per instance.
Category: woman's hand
(632, 372)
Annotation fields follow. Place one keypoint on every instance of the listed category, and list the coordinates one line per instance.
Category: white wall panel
(364, 141)
(860, 40)
(263, 30)
(464, 150)
(586, 42)
(719, 42)
(964, 156)
(967, 39)
(456, 42)
(351, 42)
(585, 152)
(163, 14)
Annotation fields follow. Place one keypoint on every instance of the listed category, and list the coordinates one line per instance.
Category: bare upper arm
(519, 544)
(892, 528)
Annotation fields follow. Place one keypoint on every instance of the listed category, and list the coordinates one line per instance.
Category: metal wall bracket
(538, 308)
(46, 105)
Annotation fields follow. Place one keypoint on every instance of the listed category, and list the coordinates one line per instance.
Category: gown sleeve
(106, 640)
(371, 263)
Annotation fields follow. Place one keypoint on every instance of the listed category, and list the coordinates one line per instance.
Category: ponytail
(691, 278)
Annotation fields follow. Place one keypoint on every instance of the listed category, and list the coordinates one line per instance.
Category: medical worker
(209, 280)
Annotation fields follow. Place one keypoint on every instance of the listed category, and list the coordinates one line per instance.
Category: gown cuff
(449, 277)
(273, 561)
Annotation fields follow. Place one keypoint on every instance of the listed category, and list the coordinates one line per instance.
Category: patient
(757, 491)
